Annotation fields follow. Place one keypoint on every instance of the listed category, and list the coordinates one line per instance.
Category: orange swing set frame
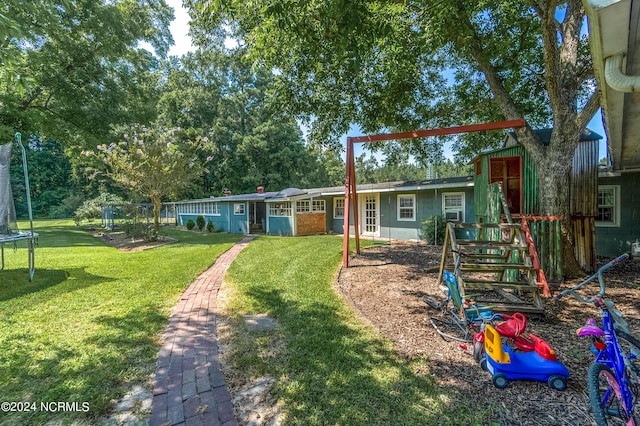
(350, 199)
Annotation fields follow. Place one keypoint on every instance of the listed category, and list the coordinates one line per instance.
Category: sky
(183, 44)
(180, 30)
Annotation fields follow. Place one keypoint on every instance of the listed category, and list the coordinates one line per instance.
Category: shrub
(200, 222)
(67, 206)
(190, 224)
(92, 209)
(433, 229)
(136, 229)
(210, 226)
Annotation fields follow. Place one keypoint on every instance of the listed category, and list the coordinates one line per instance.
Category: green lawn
(331, 369)
(87, 326)
(88, 323)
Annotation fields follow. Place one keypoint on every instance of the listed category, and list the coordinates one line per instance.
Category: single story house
(392, 210)
(395, 210)
(291, 211)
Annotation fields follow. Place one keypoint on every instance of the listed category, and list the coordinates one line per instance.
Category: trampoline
(9, 232)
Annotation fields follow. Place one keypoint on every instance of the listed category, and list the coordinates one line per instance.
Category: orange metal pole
(354, 198)
(347, 204)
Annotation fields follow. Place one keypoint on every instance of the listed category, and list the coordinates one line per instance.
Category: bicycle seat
(590, 328)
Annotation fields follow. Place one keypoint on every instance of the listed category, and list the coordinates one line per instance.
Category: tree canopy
(152, 161)
(398, 66)
(71, 69)
(251, 141)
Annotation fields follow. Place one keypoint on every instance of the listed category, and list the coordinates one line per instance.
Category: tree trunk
(157, 205)
(554, 174)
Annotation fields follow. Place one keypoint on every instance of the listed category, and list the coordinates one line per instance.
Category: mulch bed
(386, 285)
(122, 242)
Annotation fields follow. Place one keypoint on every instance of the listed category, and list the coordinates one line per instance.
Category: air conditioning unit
(453, 216)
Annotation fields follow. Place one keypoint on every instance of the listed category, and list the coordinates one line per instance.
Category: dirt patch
(386, 284)
(122, 242)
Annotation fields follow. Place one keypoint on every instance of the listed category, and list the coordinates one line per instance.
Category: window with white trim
(407, 207)
(338, 208)
(608, 212)
(307, 206)
(280, 209)
(238, 209)
(453, 206)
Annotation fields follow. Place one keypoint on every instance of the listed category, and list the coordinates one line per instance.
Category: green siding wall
(280, 225)
(613, 241)
(428, 203)
(219, 222)
(529, 181)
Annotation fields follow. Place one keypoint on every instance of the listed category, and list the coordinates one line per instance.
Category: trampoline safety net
(9, 232)
(8, 224)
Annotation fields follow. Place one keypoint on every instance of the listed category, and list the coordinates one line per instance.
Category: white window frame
(215, 209)
(412, 197)
(336, 207)
(447, 209)
(615, 223)
(280, 209)
(237, 211)
(303, 206)
(318, 206)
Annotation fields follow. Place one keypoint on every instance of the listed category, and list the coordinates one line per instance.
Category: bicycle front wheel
(630, 347)
(605, 397)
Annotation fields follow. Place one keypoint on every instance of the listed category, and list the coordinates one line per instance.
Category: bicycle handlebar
(598, 275)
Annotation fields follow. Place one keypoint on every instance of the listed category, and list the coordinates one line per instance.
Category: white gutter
(359, 189)
(616, 79)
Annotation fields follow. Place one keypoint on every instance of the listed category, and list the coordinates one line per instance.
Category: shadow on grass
(71, 236)
(122, 352)
(338, 373)
(15, 282)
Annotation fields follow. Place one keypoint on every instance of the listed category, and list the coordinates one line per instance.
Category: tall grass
(330, 367)
(88, 324)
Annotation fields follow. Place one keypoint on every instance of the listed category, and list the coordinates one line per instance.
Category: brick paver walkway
(189, 386)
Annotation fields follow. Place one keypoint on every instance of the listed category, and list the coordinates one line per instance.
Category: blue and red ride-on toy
(519, 357)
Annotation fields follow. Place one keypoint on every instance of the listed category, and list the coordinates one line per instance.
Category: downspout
(616, 79)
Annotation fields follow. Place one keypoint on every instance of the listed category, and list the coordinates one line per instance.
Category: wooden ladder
(492, 260)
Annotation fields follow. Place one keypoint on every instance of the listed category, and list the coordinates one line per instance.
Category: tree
(250, 142)
(420, 64)
(71, 69)
(49, 176)
(152, 161)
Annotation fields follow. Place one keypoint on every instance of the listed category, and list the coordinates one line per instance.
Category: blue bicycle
(613, 379)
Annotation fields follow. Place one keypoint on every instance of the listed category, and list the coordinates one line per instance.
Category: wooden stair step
(511, 308)
(486, 256)
(492, 245)
(465, 225)
(489, 285)
(492, 267)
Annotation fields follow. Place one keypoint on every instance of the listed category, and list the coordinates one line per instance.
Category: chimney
(261, 190)
(227, 193)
